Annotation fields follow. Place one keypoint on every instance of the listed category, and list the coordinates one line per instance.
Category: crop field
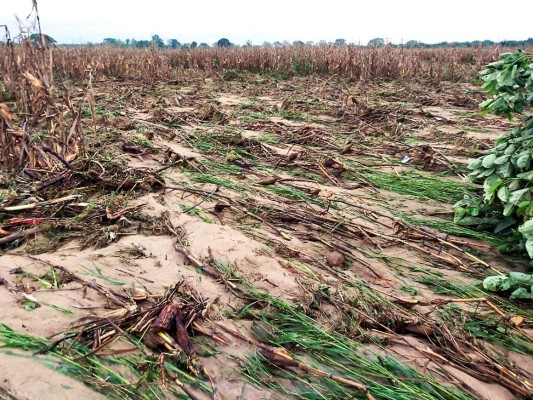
(256, 223)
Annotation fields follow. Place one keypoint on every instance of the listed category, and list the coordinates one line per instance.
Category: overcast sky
(71, 21)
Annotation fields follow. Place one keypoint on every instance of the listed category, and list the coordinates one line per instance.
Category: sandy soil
(279, 261)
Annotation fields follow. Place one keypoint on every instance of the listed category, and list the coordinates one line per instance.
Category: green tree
(412, 43)
(109, 41)
(141, 44)
(376, 42)
(42, 39)
(173, 43)
(223, 43)
(157, 41)
(340, 42)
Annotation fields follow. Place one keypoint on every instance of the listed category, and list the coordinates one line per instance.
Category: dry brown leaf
(18, 133)
(517, 320)
(347, 148)
(4, 113)
(384, 282)
(269, 180)
(418, 329)
(33, 81)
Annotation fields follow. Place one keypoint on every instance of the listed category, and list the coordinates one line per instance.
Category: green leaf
(514, 185)
(492, 183)
(523, 161)
(487, 172)
(506, 170)
(460, 212)
(526, 228)
(504, 194)
(506, 223)
(510, 150)
(502, 146)
(494, 283)
(501, 159)
(521, 293)
(527, 176)
(508, 210)
(30, 305)
(475, 164)
(517, 195)
(519, 278)
(488, 161)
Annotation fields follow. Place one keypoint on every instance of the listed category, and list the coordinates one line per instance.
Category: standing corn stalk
(36, 131)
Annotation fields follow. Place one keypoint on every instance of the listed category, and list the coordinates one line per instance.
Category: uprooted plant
(506, 170)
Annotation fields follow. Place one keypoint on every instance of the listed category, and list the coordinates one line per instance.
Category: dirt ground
(318, 193)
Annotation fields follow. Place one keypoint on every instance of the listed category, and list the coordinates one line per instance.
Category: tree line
(158, 42)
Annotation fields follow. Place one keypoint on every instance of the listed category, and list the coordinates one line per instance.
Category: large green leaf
(528, 176)
(529, 247)
(509, 209)
(517, 196)
(504, 194)
(488, 160)
(523, 160)
(510, 149)
(501, 159)
(492, 183)
(494, 283)
(521, 293)
(506, 170)
(506, 223)
(519, 278)
(526, 228)
(474, 164)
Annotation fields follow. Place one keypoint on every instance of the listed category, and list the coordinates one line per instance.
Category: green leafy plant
(230, 74)
(519, 283)
(506, 170)
(509, 81)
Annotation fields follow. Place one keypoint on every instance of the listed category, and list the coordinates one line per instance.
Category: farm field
(223, 234)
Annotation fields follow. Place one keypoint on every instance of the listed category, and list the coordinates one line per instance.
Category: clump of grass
(296, 194)
(269, 139)
(198, 211)
(141, 140)
(216, 180)
(416, 184)
(143, 381)
(223, 167)
(288, 327)
(448, 227)
(384, 376)
(482, 326)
